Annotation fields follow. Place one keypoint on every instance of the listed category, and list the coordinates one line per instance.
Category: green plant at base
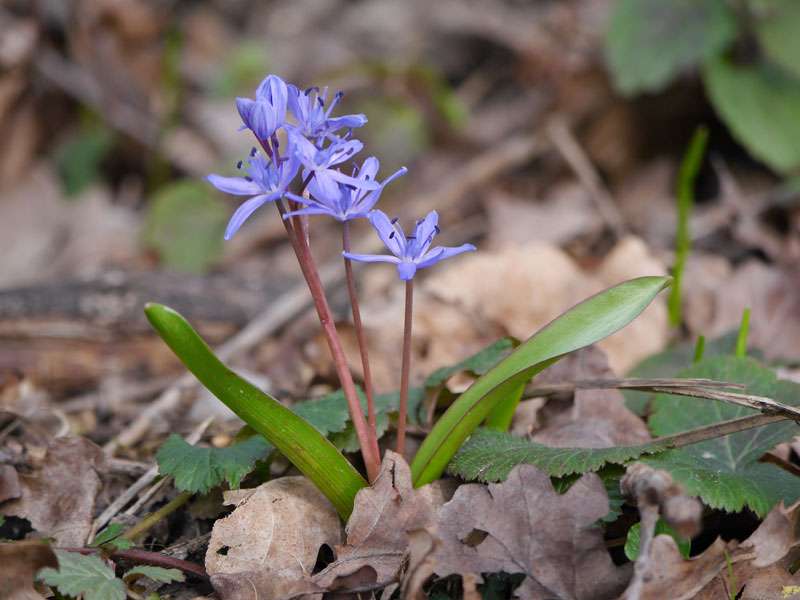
(303, 445)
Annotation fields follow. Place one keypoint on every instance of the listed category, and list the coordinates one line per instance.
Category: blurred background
(549, 133)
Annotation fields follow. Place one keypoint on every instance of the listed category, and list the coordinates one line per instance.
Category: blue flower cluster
(317, 148)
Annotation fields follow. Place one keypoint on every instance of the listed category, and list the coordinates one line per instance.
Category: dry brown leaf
(268, 545)
(751, 583)
(9, 483)
(19, 563)
(523, 526)
(596, 418)
(756, 562)
(377, 532)
(58, 498)
(716, 298)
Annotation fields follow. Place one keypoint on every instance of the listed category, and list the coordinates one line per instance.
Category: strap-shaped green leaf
(304, 446)
(582, 325)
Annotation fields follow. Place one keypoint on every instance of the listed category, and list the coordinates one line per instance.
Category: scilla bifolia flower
(314, 121)
(412, 252)
(267, 113)
(345, 202)
(265, 180)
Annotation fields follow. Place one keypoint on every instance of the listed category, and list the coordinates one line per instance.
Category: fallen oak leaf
(523, 526)
(377, 532)
(19, 563)
(268, 546)
(59, 499)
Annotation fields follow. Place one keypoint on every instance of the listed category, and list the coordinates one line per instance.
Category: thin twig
(405, 369)
(636, 384)
(123, 499)
(148, 558)
(570, 149)
(716, 430)
(150, 520)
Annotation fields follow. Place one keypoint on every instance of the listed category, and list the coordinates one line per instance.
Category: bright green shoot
(690, 167)
(304, 446)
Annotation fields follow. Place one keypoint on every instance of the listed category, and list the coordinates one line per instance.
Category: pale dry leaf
(269, 544)
(19, 563)
(672, 576)
(778, 533)
(751, 583)
(523, 526)
(9, 483)
(596, 418)
(377, 532)
(58, 498)
(566, 213)
(715, 302)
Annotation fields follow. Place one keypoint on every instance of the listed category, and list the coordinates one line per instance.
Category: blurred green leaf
(650, 42)
(477, 364)
(198, 469)
(86, 576)
(111, 536)
(185, 223)
(158, 574)
(725, 472)
(78, 160)
(634, 538)
(761, 105)
(777, 27)
(397, 131)
(242, 70)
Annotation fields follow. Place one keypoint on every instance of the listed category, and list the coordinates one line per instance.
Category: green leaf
(477, 364)
(725, 471)
(158, 574)
(78, 160)
(668, 363)
(491, 455)
(185, 223)
(111, 536)
(300, 442)
(197, 469)
(650, 42)
(83, 574)
(584, 324)
(761, 106)
(777, 24)
(633, 539)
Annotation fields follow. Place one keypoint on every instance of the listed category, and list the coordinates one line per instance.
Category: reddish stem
(366, 437)
(143, 557)
(360, 333)
(406, 369)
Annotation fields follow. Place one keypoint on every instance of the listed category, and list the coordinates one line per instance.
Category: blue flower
(409, 252)
(267, 113)
(347, 202)
(313, 119)
(266, 181)
(321, 162)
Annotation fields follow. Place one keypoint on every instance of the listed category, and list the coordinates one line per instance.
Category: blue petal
(245, 210)
(424, 232)
(387, 232)
(371, 258)
(406, 270)
(354, 181)
(234, 185)
(440, 253)
(245, 108)
(347, 121)
(312, 210)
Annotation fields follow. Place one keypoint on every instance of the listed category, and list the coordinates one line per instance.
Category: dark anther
(436, 227)
(248, 178)
(239, 165)
(321, 101)
(395, 220)
(411, 237)
(311, 89)
(253, 151)
(391, 235)
(339, 94)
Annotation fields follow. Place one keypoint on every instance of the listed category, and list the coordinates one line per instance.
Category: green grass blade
(304, 446)
(690, 167)
(582, 325)
(501, 416)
